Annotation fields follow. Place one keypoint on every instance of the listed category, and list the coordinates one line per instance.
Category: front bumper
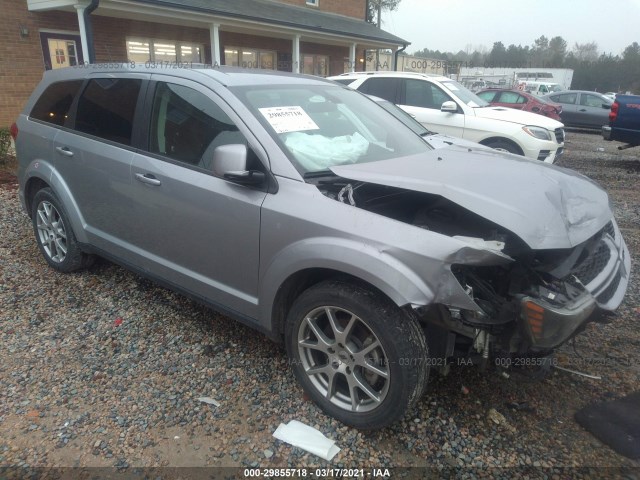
(603, 277)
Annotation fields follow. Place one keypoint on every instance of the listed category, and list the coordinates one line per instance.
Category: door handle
(582, 110)
(64, 151)
(148, 179)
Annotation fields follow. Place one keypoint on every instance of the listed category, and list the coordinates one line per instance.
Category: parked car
(527, 102)
(624, 121)
(610, 95)
(306, 211)
(445, 106)
(582, 109)
(436, 140)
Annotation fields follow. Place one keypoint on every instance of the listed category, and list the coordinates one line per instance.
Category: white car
(610, 95)
(445, 106)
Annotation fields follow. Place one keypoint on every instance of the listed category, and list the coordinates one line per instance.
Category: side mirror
(449, 107)
(230, 162)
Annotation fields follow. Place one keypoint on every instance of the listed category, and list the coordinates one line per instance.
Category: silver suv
(305, 210)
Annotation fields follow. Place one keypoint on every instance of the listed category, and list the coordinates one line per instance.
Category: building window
(315, 65)
(143, 50)
(249, 58)
(313, 3)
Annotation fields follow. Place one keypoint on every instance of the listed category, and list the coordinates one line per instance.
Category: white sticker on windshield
(288, 119)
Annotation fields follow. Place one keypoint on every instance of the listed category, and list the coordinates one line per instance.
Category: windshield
(322, 126)
(404, 117)
(467, 96)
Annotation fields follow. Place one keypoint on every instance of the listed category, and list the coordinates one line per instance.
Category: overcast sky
(451, 25)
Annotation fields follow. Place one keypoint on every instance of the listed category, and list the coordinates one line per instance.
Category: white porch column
(352, 58)
(295, 56)
(83, 32)
(214, 34)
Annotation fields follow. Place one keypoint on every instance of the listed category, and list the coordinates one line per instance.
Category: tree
(498, 55)
(632, 53)
(373, 5)
(586, 52)
(557, 51)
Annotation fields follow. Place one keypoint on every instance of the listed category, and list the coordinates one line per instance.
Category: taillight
(614, 112)
(13, 130)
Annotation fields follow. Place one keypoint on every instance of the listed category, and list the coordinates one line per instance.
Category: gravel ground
(103, 369)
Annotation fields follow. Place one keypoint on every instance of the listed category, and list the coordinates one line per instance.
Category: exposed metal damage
(522, 302)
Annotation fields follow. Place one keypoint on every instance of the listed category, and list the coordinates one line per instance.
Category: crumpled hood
(516, 116)
(546, 206)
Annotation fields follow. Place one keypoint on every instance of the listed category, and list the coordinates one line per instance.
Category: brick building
(320, 37)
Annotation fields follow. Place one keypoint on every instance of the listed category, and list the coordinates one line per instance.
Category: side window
(510, 97)
(106, 108)
(419, 93)
(591, 100)
(487, 96)
(522, 99)
(382, 87)
(568, 98)
(187, 126)
(54, 103)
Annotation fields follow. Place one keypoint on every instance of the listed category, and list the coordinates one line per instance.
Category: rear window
(106, 108)
(54, 103)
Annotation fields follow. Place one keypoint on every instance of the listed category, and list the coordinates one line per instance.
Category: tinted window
(423, 94)
(54, 103)
(187, 125)
(106, 109)
(569, 98)
(381, 87)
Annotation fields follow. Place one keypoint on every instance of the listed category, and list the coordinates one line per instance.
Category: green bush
(5, 144)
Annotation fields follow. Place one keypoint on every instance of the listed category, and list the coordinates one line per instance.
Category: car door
(591, 111)
(569, 102)
(190, 227)
(94, 155)
(423, 100)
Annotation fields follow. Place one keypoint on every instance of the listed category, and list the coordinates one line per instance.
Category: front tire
(56, 240)
(504, 146)
(362, 359)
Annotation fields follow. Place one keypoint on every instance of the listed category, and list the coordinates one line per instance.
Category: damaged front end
(546, 297)
(524, 307)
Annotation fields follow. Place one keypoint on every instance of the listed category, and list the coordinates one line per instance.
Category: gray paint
(236, 246)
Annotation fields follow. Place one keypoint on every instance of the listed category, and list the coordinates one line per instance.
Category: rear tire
(360, 358)
(56, 240)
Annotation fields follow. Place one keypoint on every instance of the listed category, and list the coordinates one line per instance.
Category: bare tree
(375, 8)
(586, 52)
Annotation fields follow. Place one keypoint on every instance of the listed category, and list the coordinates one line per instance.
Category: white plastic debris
(308, 438)
(209, 401)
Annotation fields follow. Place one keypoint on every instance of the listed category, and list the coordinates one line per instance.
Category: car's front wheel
(362, 359)
(53, 232)
(503, 146)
